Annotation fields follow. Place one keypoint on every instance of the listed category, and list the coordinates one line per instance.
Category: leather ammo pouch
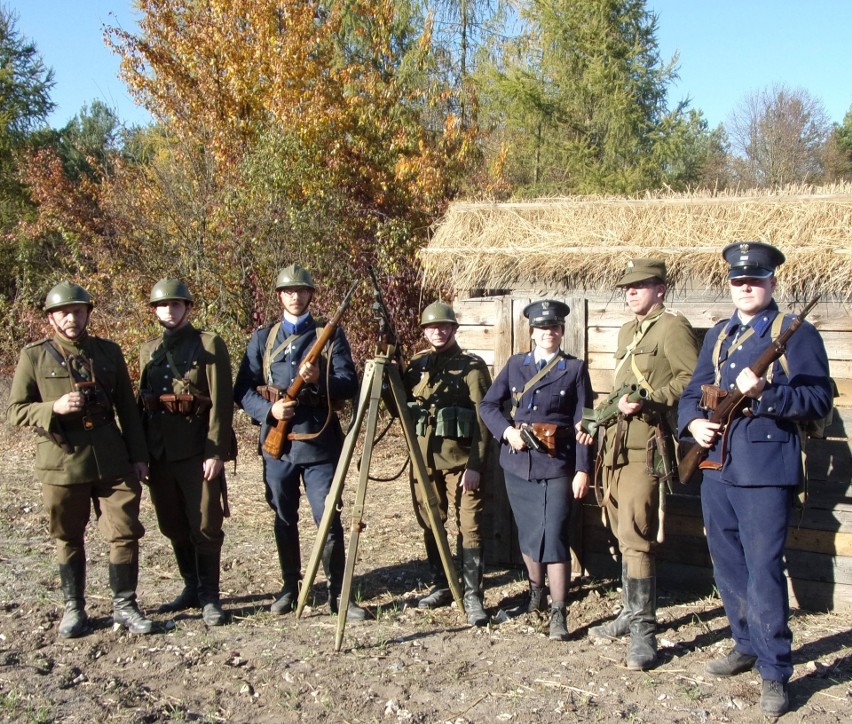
(96, 409)
(271, 393)
(150, 401)
(187, 405)
(711, 395)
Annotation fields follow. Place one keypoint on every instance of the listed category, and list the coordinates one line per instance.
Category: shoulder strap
(777, 325)
(269, 354)
(516, 397)
(717, 349)
(637, 338)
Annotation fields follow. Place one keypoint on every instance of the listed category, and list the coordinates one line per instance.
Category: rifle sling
(516, 398)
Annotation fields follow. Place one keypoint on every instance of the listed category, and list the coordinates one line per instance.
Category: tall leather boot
(290, 560)
(208, 588)
(620, 625)
(72, 577)
(472, 572)
(123, 578)
(333, 565)
(188, 568)
(440, 595)
(642, 653)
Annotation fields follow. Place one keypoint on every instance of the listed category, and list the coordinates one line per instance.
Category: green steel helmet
(438, 313)
(167, 290)
(292, 276)
(66, 293)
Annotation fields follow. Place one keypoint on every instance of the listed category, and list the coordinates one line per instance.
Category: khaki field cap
(752, 259)
(438, 313)
(641, 270)
(294, 276)
(167, 290)
(66, 293)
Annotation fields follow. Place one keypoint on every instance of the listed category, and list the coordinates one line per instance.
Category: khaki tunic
(202, 360)
(105, 452)
(666, 356)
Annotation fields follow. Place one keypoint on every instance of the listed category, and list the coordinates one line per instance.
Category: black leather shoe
(774, 700)
(734, 663)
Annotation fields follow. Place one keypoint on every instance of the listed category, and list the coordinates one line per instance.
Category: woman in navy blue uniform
(750, 480)
(547, 389)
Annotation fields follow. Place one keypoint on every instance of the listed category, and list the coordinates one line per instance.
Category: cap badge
(545, 305)
(744, 248)
(630, 264)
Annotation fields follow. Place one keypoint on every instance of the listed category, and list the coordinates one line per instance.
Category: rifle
(607, 413)
(730, 405)
(274, 443)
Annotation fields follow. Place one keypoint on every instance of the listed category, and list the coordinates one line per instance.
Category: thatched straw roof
(565, 243)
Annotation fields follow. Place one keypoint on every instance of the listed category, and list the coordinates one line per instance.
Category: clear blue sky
(728, 49)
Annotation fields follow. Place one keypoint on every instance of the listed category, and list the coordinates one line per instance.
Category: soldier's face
(172, 313)
(642, 297)
(69, 321)
(548, 339)
(751, 295)
(295, 301)
(439, 335)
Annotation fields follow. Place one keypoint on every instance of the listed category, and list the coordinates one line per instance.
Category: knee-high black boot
(188, 568)
(123, 578)
(73, 580)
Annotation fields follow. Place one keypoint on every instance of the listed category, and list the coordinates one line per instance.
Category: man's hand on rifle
(283, 409)
(704, 431)
(309, 373)
(470, 480)
(628, 408)
(69, 403)
(750, 384)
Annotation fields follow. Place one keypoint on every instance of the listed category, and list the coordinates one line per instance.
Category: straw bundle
(583, 243)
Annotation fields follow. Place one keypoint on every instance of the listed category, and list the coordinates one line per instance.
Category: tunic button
(731, 386)
(740, 347)
(535, 407)
(770, 409)
(769, 436)
(536, 392)
(562, 392)
(733, 365)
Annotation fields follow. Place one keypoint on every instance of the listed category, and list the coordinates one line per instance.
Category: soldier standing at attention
(445, 386)
(752, 471)
(188, 402)
(545, 469)
(657, 350)
(270, 365)
(71, 388)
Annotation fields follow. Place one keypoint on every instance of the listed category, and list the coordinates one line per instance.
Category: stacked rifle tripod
(380, 373)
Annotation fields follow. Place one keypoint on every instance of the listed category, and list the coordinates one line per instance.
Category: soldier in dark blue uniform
(752, 472)
(274, 358)
(547, 390)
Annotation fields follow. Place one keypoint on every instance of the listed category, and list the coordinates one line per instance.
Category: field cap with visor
(753, 259)
(642, 270)
(546, 313)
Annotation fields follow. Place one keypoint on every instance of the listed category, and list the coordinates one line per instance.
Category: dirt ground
(402, 665)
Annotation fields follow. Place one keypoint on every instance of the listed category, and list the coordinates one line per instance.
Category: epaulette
(37, 343)
(674, 312)
(474, 357)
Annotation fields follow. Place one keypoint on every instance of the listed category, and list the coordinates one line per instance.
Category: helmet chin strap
(179, 323)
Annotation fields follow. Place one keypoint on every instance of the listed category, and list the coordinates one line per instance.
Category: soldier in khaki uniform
(445, 386)
(188, 401)
(658, 351)
(71, 388)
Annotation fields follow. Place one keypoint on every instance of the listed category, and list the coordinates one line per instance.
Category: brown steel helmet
(66, 293)
(292, 276)
(167, 290)
(438, 313)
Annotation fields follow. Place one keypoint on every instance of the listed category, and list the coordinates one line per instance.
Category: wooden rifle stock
(730, 405)
(277, 435)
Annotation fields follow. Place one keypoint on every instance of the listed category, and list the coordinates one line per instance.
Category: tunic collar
(761, 322)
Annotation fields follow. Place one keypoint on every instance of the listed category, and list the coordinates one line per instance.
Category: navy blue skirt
(542, 510)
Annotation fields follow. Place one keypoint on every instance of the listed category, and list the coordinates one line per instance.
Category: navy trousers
(746, 532)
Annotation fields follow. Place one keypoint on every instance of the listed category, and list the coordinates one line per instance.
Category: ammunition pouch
(711, 396)
(455, 422)
(150, 402)
(186, 405)
(271, 393)
(312, 398)
(419, 418)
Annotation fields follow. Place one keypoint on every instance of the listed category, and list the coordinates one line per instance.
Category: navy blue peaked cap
(752, 259)
(546, 313)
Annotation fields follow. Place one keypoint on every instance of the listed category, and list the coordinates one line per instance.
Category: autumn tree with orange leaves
(290, 131)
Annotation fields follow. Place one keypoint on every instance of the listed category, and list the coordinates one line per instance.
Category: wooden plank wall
(819, 549)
